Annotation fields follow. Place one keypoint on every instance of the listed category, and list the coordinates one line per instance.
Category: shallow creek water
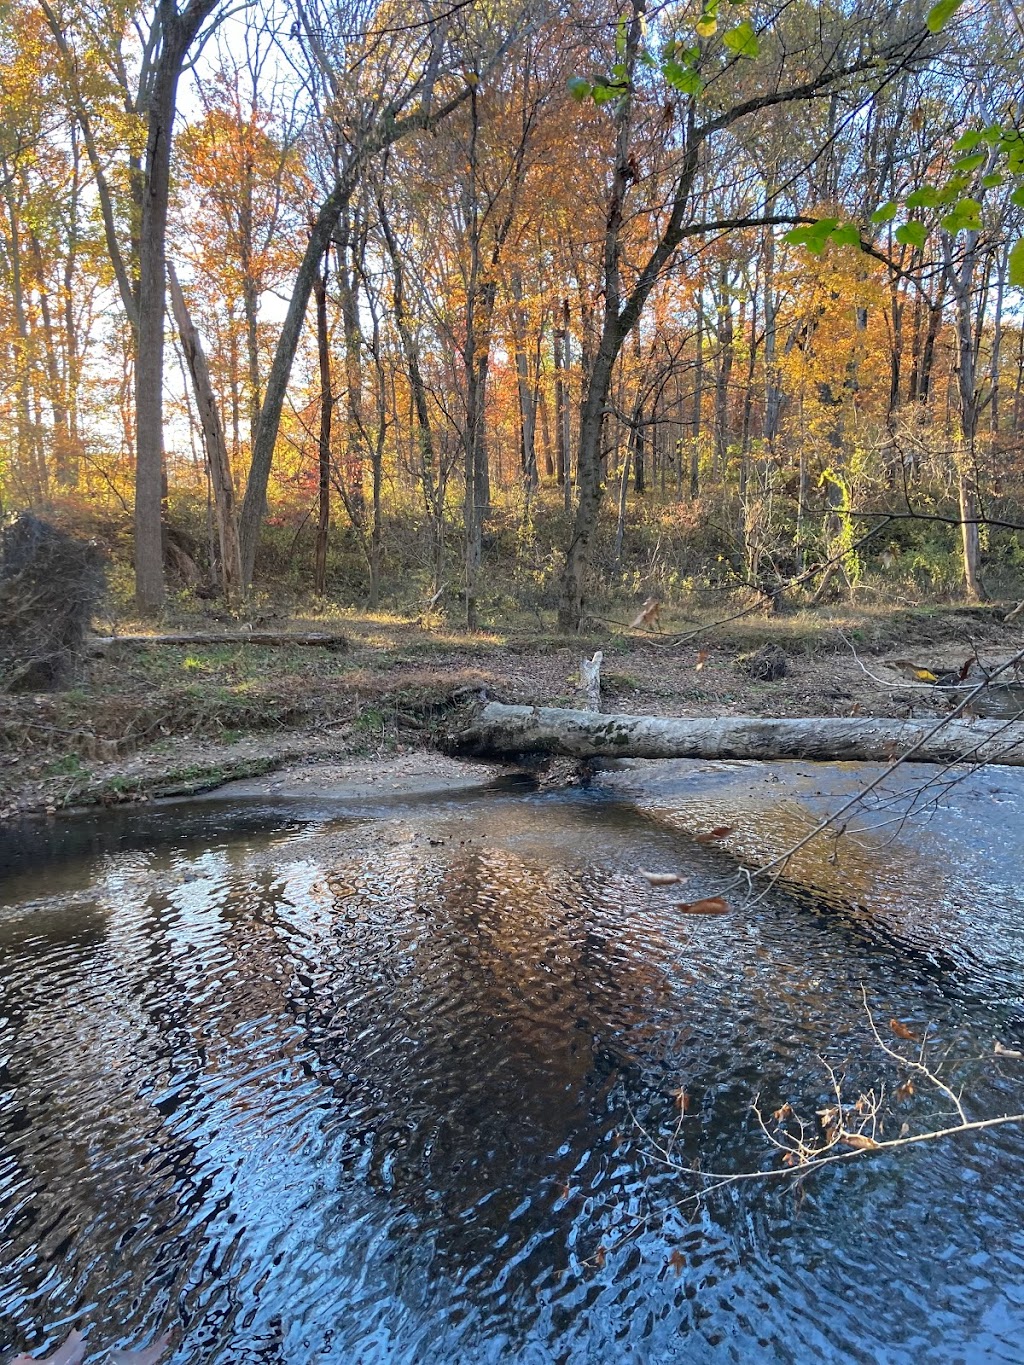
(382, 1080)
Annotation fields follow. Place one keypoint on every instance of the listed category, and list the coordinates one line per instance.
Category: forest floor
(165, 720)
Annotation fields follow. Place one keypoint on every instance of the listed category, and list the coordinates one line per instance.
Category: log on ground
(100, 644)
(500, 731)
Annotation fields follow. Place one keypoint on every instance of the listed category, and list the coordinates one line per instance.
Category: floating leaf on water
(70, 1353)
(1013, 1052)
(710, 905)
(682, 1099)
(901, 1031)
(149, 1355)
(660, 878)
(599, 1257)
(719, 832)
(677, 1261)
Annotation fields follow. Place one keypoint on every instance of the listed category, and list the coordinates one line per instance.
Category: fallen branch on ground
(100, 644)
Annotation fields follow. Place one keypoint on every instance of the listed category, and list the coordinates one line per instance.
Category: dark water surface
(307, 1081)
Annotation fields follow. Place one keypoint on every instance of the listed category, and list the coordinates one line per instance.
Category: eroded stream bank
(378, 1074)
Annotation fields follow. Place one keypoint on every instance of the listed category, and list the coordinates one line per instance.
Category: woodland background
(516, 308)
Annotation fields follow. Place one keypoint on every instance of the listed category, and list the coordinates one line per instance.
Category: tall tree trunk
(213, 441)
(698, 403)
(323, 351)
(561, 347)
(961, 280)
(177, 32)
(723, 380)
(527, 392)
(433, 486)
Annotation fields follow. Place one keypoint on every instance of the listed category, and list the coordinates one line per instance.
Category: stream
(305, 1076)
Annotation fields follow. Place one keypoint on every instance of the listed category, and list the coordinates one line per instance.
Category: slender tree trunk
(254, 503)
(527, 393)
(433, 490)
(561, 344)
(723, 381)
(213, 440)
(961, 280)
(323, 350)
(698, 402)
(176, 36)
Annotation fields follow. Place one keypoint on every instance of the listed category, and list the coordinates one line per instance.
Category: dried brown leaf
(677, 1261)
(702, 658)
(903, 1092)
(710, 905)
(902, 1031)
(660, 878)
(1011, 1052)
(719, 832)
(860, 1142)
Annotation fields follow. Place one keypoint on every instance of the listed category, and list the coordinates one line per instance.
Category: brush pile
(50, 585)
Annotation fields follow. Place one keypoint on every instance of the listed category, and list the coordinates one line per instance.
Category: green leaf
(1017, 197)
(604, 94)
(579, 89)
(742, 40)
(927, 197)
(682, 78)
(951, 191)
(969, 164)
(964, 216)
(992, 180)
(814, 236)
(886, 213)
(706, 25)
(939, 15)
(967, 142)
(620, 37)
(847, 235)
(912, 234)
(1017, 264)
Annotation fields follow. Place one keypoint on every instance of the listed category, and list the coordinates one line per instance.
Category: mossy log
(500, 731)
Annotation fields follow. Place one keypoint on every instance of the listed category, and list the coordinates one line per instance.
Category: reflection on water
(375, 1089)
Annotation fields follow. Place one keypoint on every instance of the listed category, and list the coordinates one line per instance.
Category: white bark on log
(504, 730)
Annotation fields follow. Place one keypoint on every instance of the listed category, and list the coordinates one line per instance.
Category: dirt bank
(172, 720)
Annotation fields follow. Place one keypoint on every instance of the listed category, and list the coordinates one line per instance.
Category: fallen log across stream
(500, 730)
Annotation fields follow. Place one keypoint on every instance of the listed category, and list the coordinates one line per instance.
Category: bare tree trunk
(177, 32)
(561, 345)
(433, 485)
(527, 393)
(213, 441)
(961, 280)
(323, 522)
